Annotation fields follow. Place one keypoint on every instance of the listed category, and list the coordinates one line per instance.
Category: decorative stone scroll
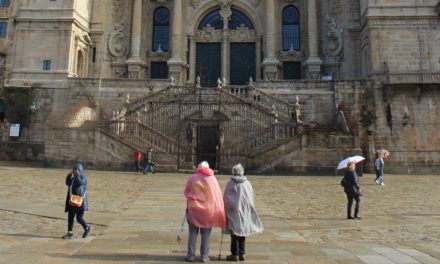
(117, 44)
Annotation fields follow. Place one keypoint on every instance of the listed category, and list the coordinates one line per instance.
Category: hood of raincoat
(204, 200)
(241, 216)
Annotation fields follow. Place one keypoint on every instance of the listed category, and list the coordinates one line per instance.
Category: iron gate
(185, 125)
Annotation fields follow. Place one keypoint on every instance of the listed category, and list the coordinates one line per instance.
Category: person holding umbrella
(352, 189)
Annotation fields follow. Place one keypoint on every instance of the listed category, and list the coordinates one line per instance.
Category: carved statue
(251, 85)
(219, 83)
(221, 137)
(224, 83)
(334, 36)
(127, 99)
(172, 81)
(275, 114)
(117, 41)
(198, 85)
(191, 132)
(298, 112)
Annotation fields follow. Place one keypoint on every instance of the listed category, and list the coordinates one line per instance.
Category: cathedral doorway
(208, 63)
(207, 144)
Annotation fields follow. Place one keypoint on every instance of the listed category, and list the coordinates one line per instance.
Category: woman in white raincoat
(241, 217)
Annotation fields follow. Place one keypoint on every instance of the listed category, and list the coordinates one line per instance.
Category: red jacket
(137, 155)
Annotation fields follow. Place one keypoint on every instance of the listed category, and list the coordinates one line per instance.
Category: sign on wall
(14, 130)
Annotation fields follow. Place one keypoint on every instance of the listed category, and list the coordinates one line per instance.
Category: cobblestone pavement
(136, 218)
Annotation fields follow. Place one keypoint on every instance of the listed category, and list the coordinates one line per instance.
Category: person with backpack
(352, 189)
(378, 167)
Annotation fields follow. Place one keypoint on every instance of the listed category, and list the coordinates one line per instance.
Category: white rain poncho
(241, 216)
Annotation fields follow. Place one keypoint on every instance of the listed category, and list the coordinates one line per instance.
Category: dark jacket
(78, 183)
(352, 181)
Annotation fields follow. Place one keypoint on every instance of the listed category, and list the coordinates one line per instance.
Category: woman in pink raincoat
(205, 209)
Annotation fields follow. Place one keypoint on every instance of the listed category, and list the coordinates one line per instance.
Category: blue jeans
(192, 239)
(148, 167)
(379, 176)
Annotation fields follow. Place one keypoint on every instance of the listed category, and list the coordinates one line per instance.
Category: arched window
(291, 34)
(238, 18)
(161, 29)
(214, 19)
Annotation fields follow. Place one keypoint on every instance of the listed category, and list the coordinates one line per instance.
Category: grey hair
(238, 169)
(203, 164)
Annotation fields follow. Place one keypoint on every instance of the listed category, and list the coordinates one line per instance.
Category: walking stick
(220, 250)
(179, 235)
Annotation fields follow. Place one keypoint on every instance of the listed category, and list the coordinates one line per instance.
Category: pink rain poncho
(204, 200)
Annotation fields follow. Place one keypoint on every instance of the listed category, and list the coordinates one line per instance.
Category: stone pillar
(313, 62)
(225, 55)
(176, 64)
(136, 65)
(270, 62)
(192, 60)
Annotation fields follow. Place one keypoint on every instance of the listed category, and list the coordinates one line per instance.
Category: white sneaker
(382, 184)
(377, 182)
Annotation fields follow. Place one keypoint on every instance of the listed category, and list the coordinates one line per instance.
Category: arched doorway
(226, 45)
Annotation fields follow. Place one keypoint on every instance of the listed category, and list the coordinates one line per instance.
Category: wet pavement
(136, 218)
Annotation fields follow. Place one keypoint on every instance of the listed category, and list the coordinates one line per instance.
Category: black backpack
(344, 182)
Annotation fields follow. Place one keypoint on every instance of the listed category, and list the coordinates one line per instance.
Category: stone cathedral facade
(282, 86)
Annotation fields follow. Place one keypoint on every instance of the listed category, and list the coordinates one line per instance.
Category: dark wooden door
(242, 63)
(208, 63)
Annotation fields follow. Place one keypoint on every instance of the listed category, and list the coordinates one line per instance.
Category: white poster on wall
(14, 130)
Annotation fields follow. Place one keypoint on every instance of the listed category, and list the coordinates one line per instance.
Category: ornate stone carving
(255, 3)
(242, 32)
(195, 3)
(117, 44)
(118, 10)
(208, 33)
(334, 38)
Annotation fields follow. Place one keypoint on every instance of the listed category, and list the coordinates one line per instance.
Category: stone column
(313, 62)
(270, 62)
(176, 64)
(136, 65)
(192, 60)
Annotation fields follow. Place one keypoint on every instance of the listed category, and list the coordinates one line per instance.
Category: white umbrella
(343, 163)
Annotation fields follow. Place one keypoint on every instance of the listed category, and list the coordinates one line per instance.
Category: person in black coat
(353, 190)
(76, 183)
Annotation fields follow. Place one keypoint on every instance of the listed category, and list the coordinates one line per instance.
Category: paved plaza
(136, 218)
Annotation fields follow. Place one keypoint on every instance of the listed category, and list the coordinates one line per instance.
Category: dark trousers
(136, 164)
(350, 197)
(79, 213)
(238, 245)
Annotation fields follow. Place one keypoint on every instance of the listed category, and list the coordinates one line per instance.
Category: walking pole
(220, 250)
(179, 238)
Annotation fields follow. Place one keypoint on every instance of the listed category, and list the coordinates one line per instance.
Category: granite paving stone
(141, 226)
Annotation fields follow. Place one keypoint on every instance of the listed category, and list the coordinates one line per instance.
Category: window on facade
(214, 19)
(46, 65)
(292, 70)
(3, 29)
(4, 3)
(159, 70)
(161, 29)
(291, 34)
